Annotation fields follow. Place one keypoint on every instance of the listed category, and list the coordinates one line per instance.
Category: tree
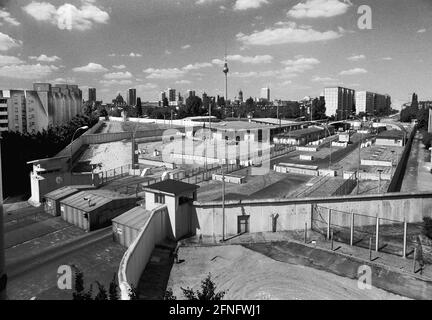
(113, 289)
(427, 227)
(319, 109)
(423, 119)
(139, 111)
(133, 293)
(427, 139)
(102, 294)
(414, 102)
(169, 295)
(208, 291)
(165, 102)
(79, 289)
(194, 106)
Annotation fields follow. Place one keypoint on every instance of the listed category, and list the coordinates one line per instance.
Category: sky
(294, 47)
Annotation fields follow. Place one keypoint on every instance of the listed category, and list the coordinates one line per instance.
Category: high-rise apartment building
(265, 94)
(92, 94)
(339, 102)
(171, 95)
(45, 105)
(4, 118)
(131, 97)
(365, 102)
(372, 103)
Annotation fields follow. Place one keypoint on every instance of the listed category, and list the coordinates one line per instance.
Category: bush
(208, 291)
(427, 140)
(427, 227)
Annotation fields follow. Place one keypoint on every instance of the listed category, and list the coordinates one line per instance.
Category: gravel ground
(246, 274)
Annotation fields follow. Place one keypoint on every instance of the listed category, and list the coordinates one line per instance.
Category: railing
(139, 252)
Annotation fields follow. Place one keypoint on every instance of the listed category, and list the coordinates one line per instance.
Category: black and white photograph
(237, 151)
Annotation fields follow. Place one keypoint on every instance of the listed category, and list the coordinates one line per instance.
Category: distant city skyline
(296, 50)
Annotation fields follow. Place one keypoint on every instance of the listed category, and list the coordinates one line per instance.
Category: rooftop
(172, 187)
(65, 191)
(97, 199)
(241, 125)
(391, 134)
(135, 218)
(302, 132)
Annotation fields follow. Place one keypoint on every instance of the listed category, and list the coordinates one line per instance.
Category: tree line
(19, 148)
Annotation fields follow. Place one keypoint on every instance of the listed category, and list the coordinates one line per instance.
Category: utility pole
(223, 203)
(3, 277)
(359, 164)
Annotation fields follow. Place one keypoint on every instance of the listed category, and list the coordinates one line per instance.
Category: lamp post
(3, 277)
(379, 180)
(73, 136)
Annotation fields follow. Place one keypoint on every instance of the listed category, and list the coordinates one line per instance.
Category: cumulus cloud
(323, 79)
(183, 82)
(120, 66)
(167, 73)
(300, 64)
(135, 55)
(357, 57)
(207, 1)
(118, 75)
(319, 8)
(120, 82)
(6, 17)
(421, 31)
(288, 32)
(8, 60)
(186, 46)
(6, 42)
(174, 73)
(91, 67)
(26, 71)
(248, 4)
(353, 72)
(387, 58)
(44, 58)
(245, 59)
(146, 87)
(196, 66)
(67, 16)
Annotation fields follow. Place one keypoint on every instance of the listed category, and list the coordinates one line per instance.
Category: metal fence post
(370, 248)
(414, 259)
(404, 239)
(377, 234)
(305, 233)
(328, 223)
(352, 229)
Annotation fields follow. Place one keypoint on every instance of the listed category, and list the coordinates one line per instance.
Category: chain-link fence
(380, 234)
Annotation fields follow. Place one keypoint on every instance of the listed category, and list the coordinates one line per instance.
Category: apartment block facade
(339, 101)
(45, 105)
(372, 103)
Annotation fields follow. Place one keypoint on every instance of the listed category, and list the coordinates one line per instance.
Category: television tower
(226, 70)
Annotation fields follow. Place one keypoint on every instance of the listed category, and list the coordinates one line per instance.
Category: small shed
(53, 198)
(127, 226)
(94, 209)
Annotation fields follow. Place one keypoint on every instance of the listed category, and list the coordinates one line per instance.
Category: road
(35, 275)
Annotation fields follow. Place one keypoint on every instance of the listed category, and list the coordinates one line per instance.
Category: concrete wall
(135, 259)
(396, 182)
(294, 213)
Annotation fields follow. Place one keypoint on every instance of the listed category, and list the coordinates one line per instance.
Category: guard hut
(178, 197)
(53, 198)
(127, 226)
(94, 209)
